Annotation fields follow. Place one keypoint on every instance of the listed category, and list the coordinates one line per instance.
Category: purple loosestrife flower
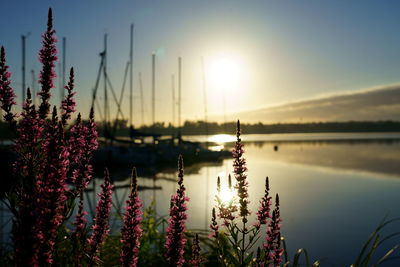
(79, 156)
(263, 213)
(214, 225)
(131, 230)
(100, 227)
(239, 165)
(91, 137)
(79, 235)
(175, 243)
(47, 56)
(82, 143)
(7, 96)
(272, 244)
(68, 104)
(29, 132)
(196, 259)
(80, 221)
(51, 190)
(278, 251)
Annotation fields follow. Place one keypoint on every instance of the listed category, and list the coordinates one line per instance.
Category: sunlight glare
(226, 195)
(222, 138)
(224, 72)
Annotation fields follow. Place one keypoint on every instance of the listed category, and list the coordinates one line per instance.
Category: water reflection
(221, 138)
(380, 157)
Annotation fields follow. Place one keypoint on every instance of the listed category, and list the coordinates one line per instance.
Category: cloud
(381, 103)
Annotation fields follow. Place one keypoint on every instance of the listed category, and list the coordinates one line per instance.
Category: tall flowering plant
(234, 216)
(7, 95)
(100, 228)
(176, 240)
(49, 152)
(131, 230)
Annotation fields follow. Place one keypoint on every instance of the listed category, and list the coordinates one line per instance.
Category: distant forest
(201, 128)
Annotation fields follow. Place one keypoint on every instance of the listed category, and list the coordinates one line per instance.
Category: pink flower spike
(68, 104)
(48, 57)
(265, 206)
(196, 259)
(100, 227)
(175, 243)
(272, 244)
(214, 225)
(82, 143)
(239, 166)
(7, 95)
(131, 230)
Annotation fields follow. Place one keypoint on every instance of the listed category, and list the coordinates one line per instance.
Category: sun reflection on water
(222, 138)
(226, 195)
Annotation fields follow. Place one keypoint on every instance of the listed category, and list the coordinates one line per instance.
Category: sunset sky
(256, 53)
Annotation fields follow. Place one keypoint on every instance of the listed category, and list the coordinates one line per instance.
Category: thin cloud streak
(381, 103)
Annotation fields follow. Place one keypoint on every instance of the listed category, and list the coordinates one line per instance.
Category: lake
(334, 188)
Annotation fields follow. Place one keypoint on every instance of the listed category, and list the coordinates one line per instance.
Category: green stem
(243, 243)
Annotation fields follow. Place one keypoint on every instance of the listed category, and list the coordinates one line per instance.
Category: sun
(224, 72)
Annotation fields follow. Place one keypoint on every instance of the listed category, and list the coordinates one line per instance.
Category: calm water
(333, 193)
(334, 188)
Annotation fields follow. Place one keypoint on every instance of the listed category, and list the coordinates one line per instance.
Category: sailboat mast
(179, 95)
(131, 78)
(59, 79)
(106, 115)
(205, 98)
(173, 99)
(33, 87)
(153, 86)
(64, 48)
(23, 38)
(141, 97)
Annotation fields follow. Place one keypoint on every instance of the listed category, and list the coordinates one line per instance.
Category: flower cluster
(100, 227)
(196, 259)
(80, 221)
(214, 225)
(47, 56)
(51, 187)
(263, 213)
(80, 227)
(175, 243)
(131, 230)
(82, 143)
(239, 169)
(68, 104)
(7, 96)
(272, 245)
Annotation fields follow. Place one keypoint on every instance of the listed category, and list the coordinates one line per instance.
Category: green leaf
(386, 257)
(296, 259)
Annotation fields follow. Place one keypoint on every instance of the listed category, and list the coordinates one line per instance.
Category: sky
(256, 53)
(375, 104)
